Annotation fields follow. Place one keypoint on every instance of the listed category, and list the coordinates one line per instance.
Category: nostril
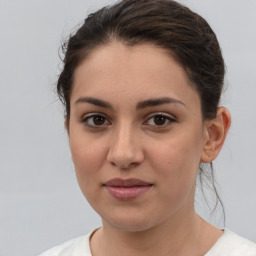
(124, 166)
(125, 153)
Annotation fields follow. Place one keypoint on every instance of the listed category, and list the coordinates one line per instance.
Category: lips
(126, 183)
(128, 189)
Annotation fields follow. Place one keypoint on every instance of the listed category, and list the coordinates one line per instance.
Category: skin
(129, 143)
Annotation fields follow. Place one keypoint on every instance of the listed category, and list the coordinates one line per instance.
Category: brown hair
(185, 35)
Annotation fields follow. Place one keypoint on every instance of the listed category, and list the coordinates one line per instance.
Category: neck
(181, 235)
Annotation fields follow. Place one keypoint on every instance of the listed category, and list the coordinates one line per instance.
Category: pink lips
(127, 189)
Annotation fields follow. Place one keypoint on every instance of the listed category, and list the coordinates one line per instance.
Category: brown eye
(98, 120)
(160, 120)
(95, 120)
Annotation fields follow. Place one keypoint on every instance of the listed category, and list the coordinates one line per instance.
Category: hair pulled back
(165, 23)
(185, 35)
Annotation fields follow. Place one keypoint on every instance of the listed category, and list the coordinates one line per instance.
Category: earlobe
(215, 134)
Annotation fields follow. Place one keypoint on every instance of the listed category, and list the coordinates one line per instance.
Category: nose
(125, 150)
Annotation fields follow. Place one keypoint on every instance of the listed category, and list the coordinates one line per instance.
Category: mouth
(128, 189)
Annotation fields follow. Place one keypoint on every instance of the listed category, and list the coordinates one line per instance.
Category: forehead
(140, 71)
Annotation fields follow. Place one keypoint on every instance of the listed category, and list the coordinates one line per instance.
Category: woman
(141, 84)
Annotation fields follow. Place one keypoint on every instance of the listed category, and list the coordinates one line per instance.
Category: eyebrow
(157, 102)
(140, 105)
(94, 101)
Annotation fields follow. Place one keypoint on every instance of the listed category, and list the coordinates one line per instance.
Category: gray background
(40, 202)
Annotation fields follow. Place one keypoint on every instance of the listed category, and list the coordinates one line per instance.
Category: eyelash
(167, 118)
(91, 116)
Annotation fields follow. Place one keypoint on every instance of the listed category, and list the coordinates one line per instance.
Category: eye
(160, 120)
(95, 120)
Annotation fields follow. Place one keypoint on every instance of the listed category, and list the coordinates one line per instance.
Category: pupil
(159, 120)
(98, 120)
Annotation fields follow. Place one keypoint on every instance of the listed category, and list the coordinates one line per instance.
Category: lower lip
(127, 193)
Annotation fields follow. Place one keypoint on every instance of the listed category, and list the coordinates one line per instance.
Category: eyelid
(86, 117)
(169, 117)
(161, 114)
(90, 115)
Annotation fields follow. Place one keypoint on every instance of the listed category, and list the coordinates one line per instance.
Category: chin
(130, 223)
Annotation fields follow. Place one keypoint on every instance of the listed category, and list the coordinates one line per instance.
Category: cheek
(177, 159)
(88, 156)
(176, 168)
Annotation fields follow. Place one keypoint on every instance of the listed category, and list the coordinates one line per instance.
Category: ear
(215, 132)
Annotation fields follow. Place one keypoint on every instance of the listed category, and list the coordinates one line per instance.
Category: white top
(229, 244)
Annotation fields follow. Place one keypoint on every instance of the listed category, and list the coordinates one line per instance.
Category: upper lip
(117, 182)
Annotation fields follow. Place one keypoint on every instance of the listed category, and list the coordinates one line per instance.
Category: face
(136, 135)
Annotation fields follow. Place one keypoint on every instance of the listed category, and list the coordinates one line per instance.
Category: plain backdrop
(40, 202)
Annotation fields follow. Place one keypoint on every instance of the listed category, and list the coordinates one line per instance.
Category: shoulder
(75, 247)
(231, 244)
